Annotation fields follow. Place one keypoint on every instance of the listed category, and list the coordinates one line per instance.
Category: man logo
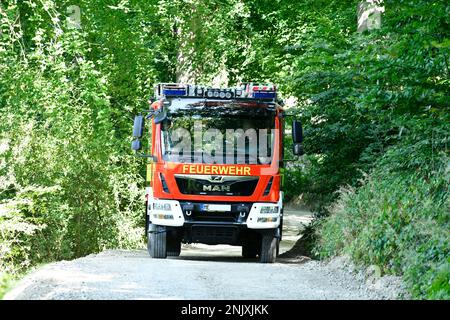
(215, 188)
(215, 179)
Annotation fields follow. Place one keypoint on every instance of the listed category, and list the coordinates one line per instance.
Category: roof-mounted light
(174, 92)
(220, 93)
(261, 91)
(199, 92)
(171, 90)
(244, 91)
(264, 95)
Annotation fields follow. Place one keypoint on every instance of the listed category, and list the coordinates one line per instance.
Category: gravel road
(202, 272)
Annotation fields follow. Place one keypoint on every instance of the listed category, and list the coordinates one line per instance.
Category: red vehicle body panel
(169, 169)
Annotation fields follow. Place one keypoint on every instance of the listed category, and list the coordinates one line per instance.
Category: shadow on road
(294, 220)
(283, 260)
(211, 258)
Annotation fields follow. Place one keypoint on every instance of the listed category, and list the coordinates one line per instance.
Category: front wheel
(278, 247)
(278, 236)
(268, 248)
(173, 246)
(157, 241)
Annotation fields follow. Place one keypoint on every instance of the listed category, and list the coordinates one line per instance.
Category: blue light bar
(174, 92)
(244, 91)
(264, 95)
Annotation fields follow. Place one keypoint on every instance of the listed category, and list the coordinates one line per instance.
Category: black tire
(147, 223)
(173, 242)
(173, 247)
(280, 230)
(268, 249)
(157, 241)
(278, 247)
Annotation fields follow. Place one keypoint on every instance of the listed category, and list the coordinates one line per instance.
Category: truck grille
(216, 185)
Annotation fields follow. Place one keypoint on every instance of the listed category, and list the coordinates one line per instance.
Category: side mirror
(138, 127)
(297, 132)
(160, 116)
(298, 149)
(136, 145)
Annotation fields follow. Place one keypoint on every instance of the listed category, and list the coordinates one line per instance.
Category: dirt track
(201, 272)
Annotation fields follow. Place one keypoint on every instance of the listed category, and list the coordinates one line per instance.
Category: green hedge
(398, 220)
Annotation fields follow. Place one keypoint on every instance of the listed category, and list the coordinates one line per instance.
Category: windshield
(218, 132)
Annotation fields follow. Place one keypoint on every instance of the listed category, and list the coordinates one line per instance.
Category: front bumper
(240, 215)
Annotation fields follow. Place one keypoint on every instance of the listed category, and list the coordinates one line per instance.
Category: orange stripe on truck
(214, 169)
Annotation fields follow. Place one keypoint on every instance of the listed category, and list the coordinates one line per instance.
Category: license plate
(216, 207)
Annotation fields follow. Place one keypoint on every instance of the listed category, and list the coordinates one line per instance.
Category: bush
(398, 220)
(5, 283)
(65, 184)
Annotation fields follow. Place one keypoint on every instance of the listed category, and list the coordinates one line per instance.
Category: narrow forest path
(201, 272)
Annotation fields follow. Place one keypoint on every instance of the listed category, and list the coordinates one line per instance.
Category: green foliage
(376, 103)
(67, 185)
(398, 221)
(5, 283)
(360, 93)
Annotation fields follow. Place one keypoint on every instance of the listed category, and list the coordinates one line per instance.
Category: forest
(374, 105)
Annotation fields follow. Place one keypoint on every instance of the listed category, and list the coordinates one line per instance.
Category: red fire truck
(209, 180)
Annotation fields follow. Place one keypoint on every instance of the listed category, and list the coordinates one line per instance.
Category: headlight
(268, 219)
(269, 209)
(163, 216)
(161, 206)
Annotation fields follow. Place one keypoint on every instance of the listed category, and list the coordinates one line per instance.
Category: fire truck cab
(214, 176)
